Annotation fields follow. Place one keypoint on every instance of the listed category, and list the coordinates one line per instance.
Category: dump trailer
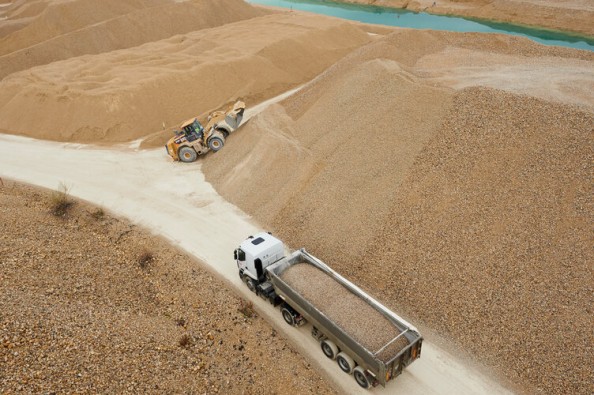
(365, 338)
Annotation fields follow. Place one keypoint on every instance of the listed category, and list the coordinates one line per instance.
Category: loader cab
(258, 252)
(192, 129)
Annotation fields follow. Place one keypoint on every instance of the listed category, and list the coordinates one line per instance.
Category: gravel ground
(361, 321)
(92, 304)
(489, 240)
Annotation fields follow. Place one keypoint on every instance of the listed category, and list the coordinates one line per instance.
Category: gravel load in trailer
(356, 317)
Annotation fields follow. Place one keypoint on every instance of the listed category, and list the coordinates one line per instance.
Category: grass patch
(60, 202)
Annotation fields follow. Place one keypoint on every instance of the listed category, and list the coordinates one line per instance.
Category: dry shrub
(246, 308)
(60, 202)
(185, 341)
(145, 258)
(98, 214)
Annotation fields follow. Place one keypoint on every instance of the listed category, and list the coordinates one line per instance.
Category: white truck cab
(255, 254)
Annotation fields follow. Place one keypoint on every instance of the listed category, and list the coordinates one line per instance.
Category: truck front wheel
(361, 377)
(329, 349)
(249, 282)
(288, 316)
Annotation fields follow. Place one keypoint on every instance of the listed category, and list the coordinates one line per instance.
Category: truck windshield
(240, 254)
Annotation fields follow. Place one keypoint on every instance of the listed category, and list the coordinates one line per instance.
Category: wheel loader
(193, 139)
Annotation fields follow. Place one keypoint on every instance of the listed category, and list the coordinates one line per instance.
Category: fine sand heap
(54, 30)
(465, 210)
(128, 94)
(356, 317)
(94, 304)
(569, 15)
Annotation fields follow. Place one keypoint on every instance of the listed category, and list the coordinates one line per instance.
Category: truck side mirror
(235, 255)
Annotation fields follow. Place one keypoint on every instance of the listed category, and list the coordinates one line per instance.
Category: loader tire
(216, 141)
(187, 154)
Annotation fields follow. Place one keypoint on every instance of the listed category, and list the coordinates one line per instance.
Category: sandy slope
(513, 64)
(65, 29)
(568, 15)
(342, 157)
(127, 94)
(101, 320)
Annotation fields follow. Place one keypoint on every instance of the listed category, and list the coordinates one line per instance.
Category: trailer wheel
(288, 316)
(249, 282)
(361, 377)
(187, 154)
(329, 349)
(345, 362)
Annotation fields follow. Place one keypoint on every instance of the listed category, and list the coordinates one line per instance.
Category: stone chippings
(356, 317)
(78, 313)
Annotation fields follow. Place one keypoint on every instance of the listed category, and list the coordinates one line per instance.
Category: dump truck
(192, 139)
(364, 337)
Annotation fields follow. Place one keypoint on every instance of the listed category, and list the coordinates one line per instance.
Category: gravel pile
(468, 212)
(491, 232)
(356, 317)
(91, 304)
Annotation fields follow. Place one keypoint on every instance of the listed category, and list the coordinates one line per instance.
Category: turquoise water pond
(402, 18)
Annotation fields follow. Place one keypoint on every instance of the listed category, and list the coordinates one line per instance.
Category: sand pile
(68, 29)
(465, 210)
(127, 94)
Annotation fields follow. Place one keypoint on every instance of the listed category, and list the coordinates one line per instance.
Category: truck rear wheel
(361, 377)
(187, 154)
(345, 362)
(329, 349)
